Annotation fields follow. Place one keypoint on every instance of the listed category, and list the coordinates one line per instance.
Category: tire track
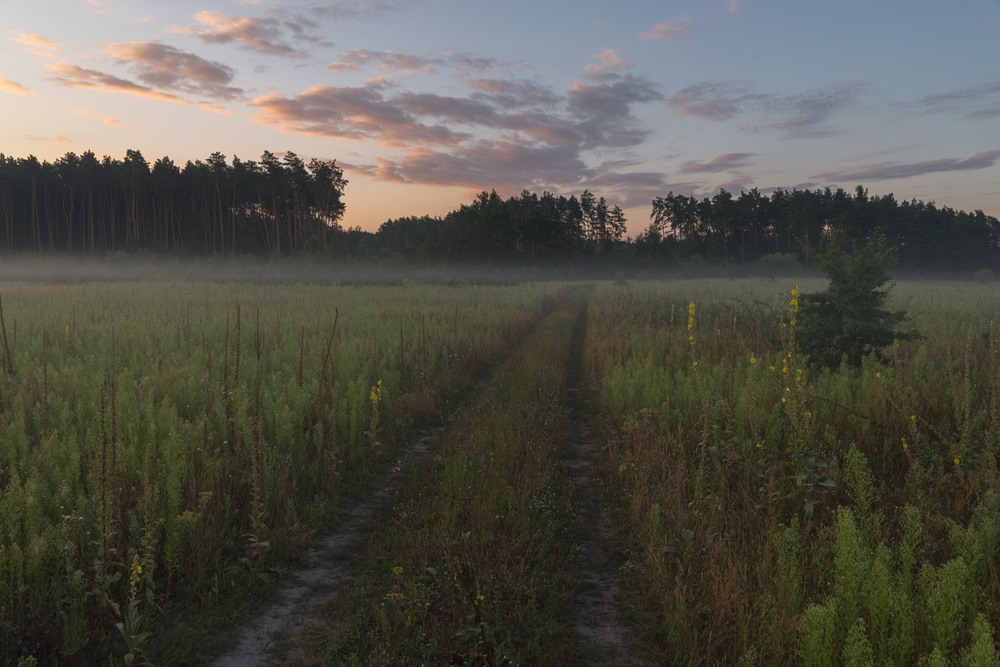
(604, 636)
(305, 591)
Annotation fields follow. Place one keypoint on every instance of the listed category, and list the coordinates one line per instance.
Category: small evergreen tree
(848, 319)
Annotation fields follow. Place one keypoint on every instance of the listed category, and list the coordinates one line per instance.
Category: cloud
(361, 9)
(508, 165)
(407, 63)
(388, 61)
(512, 93)
(58, 138)
(805, 114)
(733, 6)
(36, 44)
(982, 101)
(107, 120)
(67, 74)
(796, 115)
(668, 30)
(269, 35)
(467, 61)
(503, 133)
(357, 113)
(716, 101)
(887, 171)
(604, 110)
(165, 67)
(609, 62)
(13, 87)
(724, 162)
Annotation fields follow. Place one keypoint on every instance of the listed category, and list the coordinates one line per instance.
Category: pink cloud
(389, 61)
(36, 44)
(724, 162)
(74, 76)
(264, 35)
(163, 66)
(357, 113)
(609, 62)
(8, 86)
(668, 30)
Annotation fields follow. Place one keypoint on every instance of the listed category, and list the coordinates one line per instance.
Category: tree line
(285, 206)
(748, 227)
(83, 204)
(722, 229)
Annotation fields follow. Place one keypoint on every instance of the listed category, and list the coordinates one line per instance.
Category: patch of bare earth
(606, 637)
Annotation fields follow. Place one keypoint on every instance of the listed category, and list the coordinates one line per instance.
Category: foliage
(164, 445)
(848, 318)
(85, 205)
(823, 517)
(471, 567)
(742, 229)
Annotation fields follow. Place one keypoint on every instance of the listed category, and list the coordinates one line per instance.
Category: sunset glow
(426, 103)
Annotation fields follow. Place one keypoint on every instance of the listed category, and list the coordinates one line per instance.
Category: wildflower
(397, 570)
(957, 463)
(904, 442)
(753, 360)
(759, 445)
(136, 572)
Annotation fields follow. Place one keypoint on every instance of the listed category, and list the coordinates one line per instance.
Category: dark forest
(271, 207)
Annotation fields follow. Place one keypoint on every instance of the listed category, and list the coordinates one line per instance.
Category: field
(526, 472)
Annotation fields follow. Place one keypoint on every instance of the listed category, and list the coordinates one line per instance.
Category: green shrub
(848, 319)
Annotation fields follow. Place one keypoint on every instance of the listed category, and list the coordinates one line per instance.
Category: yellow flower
(753, 360)
(397, 570)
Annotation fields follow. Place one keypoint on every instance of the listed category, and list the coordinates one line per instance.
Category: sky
(425, 103)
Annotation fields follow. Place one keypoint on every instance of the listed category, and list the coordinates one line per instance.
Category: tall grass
(470, 566)
(778, 512)
(161, 444)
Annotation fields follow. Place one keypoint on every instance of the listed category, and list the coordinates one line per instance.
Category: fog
(74, 269)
